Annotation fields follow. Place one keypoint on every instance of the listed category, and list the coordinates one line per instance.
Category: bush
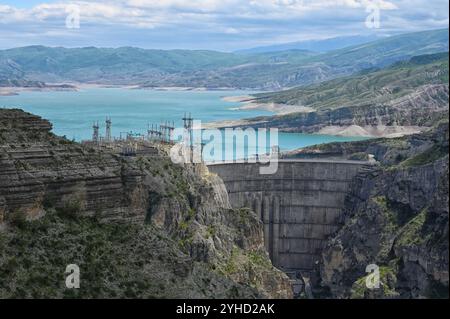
(17, 219)
(71, 208)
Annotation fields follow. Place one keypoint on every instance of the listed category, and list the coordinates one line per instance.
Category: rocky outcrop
(47, 180)
(397, 218)
(39, 169)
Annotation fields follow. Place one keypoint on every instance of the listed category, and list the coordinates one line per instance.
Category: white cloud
(129, 11)
(235, 21)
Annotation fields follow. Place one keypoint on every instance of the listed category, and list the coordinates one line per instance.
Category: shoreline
(75, 86)
(379, 131)
(13, 90)
(249, 103)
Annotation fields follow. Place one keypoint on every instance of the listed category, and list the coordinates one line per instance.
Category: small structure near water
(132, 143)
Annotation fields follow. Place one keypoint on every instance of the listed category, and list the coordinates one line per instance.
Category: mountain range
(324, 45)
(37, 65)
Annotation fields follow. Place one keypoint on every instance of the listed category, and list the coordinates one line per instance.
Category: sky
(224, 25)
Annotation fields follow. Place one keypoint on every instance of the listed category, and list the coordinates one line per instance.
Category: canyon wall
(159, 229)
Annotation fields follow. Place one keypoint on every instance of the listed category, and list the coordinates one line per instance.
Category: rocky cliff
(137, 227)
(397, 218)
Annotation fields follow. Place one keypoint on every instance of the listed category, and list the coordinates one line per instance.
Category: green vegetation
(231, 266)
(201, 68)
(115, 259)
(71, 207)
(411, 233)
(375, 86)
(434, 153)
(211, 231)
(389, 227)
(259, 259)
(388, 280)
(244, 214)
(17, 219)
(389, 215)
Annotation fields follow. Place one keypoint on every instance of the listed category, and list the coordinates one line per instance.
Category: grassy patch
(434, 153)
(231, 266)
(388, 280)
(411, 232)
(257, 258)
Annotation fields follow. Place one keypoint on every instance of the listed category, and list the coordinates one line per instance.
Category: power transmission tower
(108, 130)
(95, 136)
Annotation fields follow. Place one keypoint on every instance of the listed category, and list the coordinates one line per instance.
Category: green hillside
(211, 69)
(386, 51)
(367, 87)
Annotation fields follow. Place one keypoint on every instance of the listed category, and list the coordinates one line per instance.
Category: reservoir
(73, 112)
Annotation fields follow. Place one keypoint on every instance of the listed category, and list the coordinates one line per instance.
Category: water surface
(73, 113)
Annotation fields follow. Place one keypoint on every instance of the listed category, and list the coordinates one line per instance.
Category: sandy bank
(229, 123)
(9, 91)
(349, 131)
(371, 131)
(279, 109)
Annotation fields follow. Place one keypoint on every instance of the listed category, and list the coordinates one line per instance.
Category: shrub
(71, 208)
(17, 219)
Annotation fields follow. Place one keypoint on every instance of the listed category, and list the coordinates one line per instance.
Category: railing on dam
(300, 205)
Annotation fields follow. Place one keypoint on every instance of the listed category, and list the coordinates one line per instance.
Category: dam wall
(300, 205)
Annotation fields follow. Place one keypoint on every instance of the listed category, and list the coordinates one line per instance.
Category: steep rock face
(397, 218)
(53, 181)
(39, 169)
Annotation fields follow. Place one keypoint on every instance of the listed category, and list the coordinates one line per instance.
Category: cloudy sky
(224, 25)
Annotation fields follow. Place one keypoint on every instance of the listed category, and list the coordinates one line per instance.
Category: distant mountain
(209, 69)
(314, 45)
(389, 50)
(126, 65)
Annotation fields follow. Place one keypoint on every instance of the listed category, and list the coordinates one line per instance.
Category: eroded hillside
(405, 98)
(137, 227)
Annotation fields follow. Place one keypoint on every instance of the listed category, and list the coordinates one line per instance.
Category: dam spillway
(300, 205)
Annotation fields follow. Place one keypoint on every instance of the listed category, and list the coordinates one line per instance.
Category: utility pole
(108, 130)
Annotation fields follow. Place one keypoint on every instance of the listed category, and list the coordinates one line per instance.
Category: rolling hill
(209, 69)
(324, 45)
(379, 86)
(406, 97)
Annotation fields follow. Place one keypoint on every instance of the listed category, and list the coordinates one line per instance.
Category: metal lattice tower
(188, 121)
(171, 130)
(167, 131)
(108, 130)
(95, 135)
(153, 133)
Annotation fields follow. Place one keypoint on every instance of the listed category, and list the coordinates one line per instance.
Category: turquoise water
(72, 113)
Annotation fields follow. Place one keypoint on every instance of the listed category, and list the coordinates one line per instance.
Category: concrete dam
(300, 205)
